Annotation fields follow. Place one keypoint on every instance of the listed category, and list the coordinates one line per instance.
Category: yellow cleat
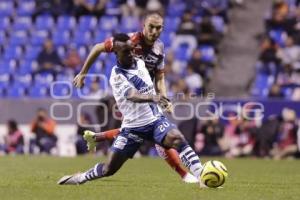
(89, 137)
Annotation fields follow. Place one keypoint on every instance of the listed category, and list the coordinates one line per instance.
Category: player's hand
(78, 81)
(166, 104)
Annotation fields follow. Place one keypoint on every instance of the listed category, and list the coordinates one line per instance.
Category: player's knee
(108, 170)
(177, 139)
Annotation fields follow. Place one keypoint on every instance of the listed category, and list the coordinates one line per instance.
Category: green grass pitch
(144, 179)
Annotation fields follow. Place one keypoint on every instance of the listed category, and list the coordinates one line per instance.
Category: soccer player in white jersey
(149, 48)
(138, 102)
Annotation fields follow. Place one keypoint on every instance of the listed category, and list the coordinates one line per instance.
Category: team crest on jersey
(140, 73)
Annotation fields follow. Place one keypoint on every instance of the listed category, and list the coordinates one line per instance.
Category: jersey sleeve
(120, 85)
(108, 44)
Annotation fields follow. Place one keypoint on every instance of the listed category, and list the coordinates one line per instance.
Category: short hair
(152, 14)
(120, 37)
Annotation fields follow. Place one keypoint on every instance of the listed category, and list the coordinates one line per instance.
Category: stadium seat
(32, 52)
(61, 90)
(97, 68)
(171, 24)
(83, 38)
(261, 85)
(4, 23)
(166, 38)
(279, 36)
(218, 23)
(181, 53)
(8, 66)
(22, 24)
(43, 79)
(3, 37)
(13, 52)
(61, 50)
(2, 91)
(26, 8)
(27, 67)
(208, 53)
(61, 37)
(38, 91)
(16, 91)
(38, 37)
(44, 22)
(25, 79)
(176, 10)
(19, 38)
(100, 36)
(129, 24)
(65, 22)
(4, 79)
(6, 8)
(108, 23)
(87, 23)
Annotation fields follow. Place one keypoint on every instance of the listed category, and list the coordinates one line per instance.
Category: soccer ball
(214, 174)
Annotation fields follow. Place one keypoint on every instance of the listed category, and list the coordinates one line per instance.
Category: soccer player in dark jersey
(149, 48)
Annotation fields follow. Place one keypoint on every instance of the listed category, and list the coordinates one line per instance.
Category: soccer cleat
(89, 137)
(74, 179)
(189, 178)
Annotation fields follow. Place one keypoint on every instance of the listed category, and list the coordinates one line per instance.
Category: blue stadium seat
(26, 67)
(261, 85)
(108, 23)
(38, 37)
(218, 23)
(3, 37)
(6, 8)
(87, 23)
(2, 91)
(65, 22)
(181, 53)
(38, 91)
(22, 24)
(16, 91)
(4, 23)
(83, 38)
(19, 38)
(44, 22)
(208, 53)
(64, 77)
(176, 10)
(129, 24)
(171, 24)
(26, 8)
(100, 36)
(32, 52)
(43, 79)
(13, 52)
(25, 80)
(97, 68)
(166, 38)
(61, 37)
(4, 79)
(279, 36)
(61, 90)
(8, 66)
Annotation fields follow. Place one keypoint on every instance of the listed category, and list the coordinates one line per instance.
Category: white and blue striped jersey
(137, 77)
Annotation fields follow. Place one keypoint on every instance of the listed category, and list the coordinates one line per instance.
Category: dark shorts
(130, 139)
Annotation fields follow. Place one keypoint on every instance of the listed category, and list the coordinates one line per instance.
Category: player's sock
(92, 174)
(107, 135)
(172, 158)
(190, 159)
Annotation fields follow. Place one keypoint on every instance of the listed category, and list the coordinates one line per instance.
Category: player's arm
(160, 87)
(133, 95)
(93, 55)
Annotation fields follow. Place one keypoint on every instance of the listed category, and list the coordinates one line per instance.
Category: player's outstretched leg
(174, 139)
(115, 161)
(92, 138)
(173, 160)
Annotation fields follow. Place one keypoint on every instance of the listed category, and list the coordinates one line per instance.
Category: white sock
(191, 160)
